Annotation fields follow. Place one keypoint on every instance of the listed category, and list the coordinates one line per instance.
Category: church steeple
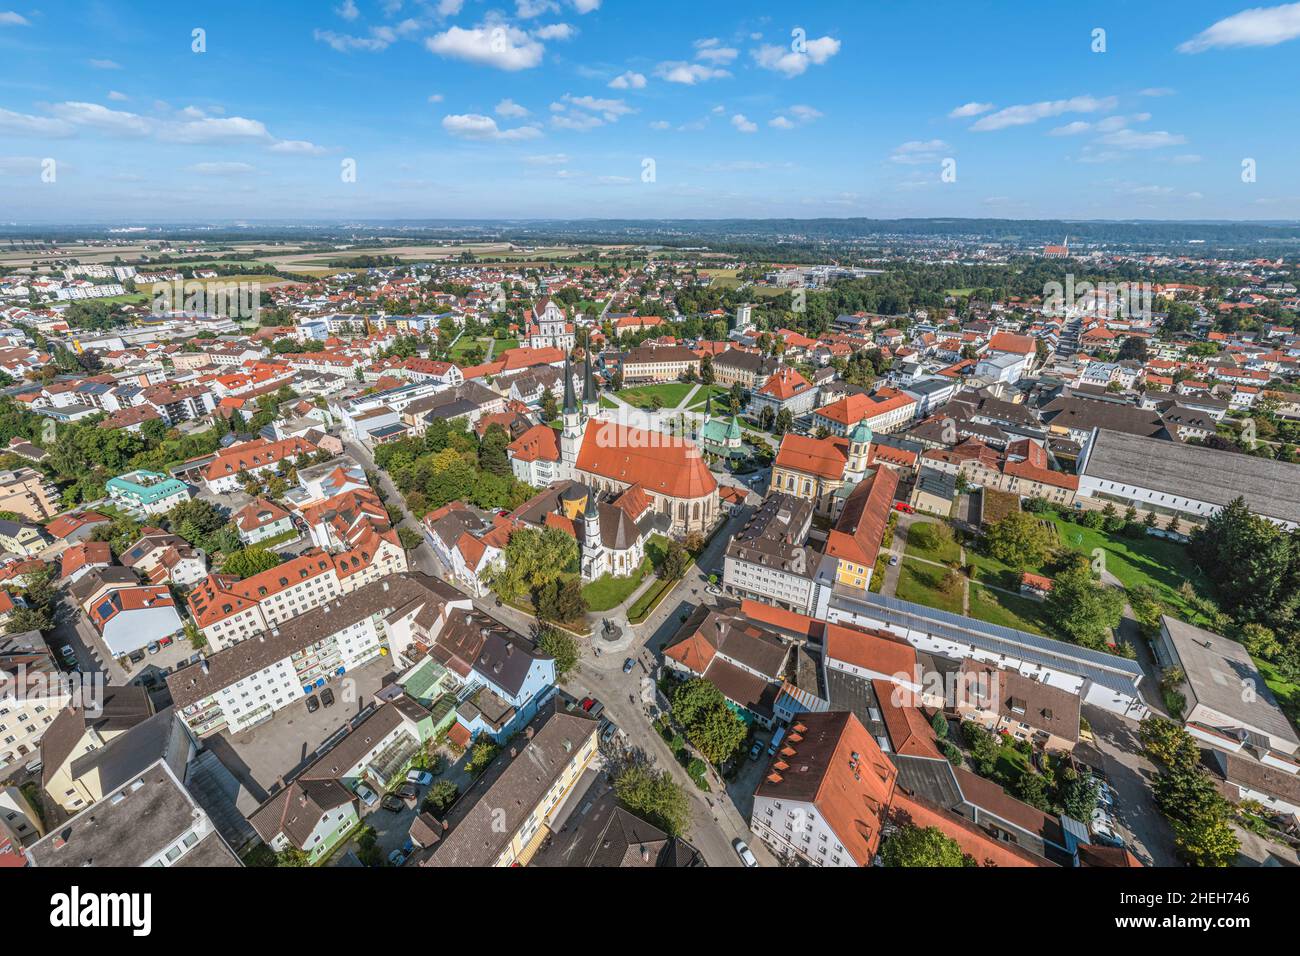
(571, 435)
(708, 408)
(590, 400)
(570, 403)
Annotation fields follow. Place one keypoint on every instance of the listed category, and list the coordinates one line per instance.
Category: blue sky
(542, 108)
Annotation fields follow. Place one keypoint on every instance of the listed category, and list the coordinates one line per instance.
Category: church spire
(588, 382)
(570, 403)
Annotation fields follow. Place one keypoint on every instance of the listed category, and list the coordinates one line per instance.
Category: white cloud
(510, 109)
(678, 71)
(586, 6)
(712, 51)
(435, 97)
(802, 113)
(1072, 129)
(661, 124)
(298, 147)
(105, 64)
(628, 81)
(23, 124)
(744, 125)
(1259, 26)
(1156, 91)
(12, 19)
(348, 11)
(555, 31)
(582, 113)
(1026, 113)
(93, 115)
(345, 43)
(1134, 139)
(970, 109)
(449, 8)
(547, 159)
(788, 62)
(499, 45)
(918, 152)
(116, 96)
(479, 127)
(221, 169)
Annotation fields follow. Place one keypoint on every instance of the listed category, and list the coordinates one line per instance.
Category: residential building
(507, 813)
(24, 491)
(768, 559)
(241, 686)
(33, 690)
(824, 799)
(143, 493)
(149, 820)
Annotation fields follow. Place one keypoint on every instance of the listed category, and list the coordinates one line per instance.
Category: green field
(1009, 610)
(1155, 562)
(607, 591)
(945, 552)
(671, 393)
(718, 393)
(919, 583)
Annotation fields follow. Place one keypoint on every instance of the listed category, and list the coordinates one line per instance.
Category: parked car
(153, 647)
(610, 730)
(368, 796)
(67, 653)
(313, 704)
(756, 751)
(166, 641)
(421, 777)
(893, 560)
(327, 698)
(743, 851)
(904, 507)
(393, 803)
(628, 665)
(397, 858)
(408, 791)
(1105, 795)
(713, 589)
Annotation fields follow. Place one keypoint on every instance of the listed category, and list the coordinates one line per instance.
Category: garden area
(1008, 610)
(932, 541)
(662, 395)
(930, 585)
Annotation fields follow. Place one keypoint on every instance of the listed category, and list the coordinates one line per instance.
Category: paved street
(1130, 775)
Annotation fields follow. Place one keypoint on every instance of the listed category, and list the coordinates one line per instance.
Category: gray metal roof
(1108, 670)
(1192, 471)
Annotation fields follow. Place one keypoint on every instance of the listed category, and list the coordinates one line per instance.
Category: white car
(422, 777)
(368, 796)
(743, 851)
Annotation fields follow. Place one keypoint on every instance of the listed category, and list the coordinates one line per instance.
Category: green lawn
(992, 571)
(719, 394)
(1160, 564)
(671, 393)
(944, 552)
(1009, 610)
(919, 583)
(1010, 766)
(608, 592)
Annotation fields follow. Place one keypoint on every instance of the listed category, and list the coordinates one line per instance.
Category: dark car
(313, 704)
(628, 665)
(409, 791)
(393, 803)
(327, 698)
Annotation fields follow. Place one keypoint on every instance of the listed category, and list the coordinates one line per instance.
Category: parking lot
(265, 756)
